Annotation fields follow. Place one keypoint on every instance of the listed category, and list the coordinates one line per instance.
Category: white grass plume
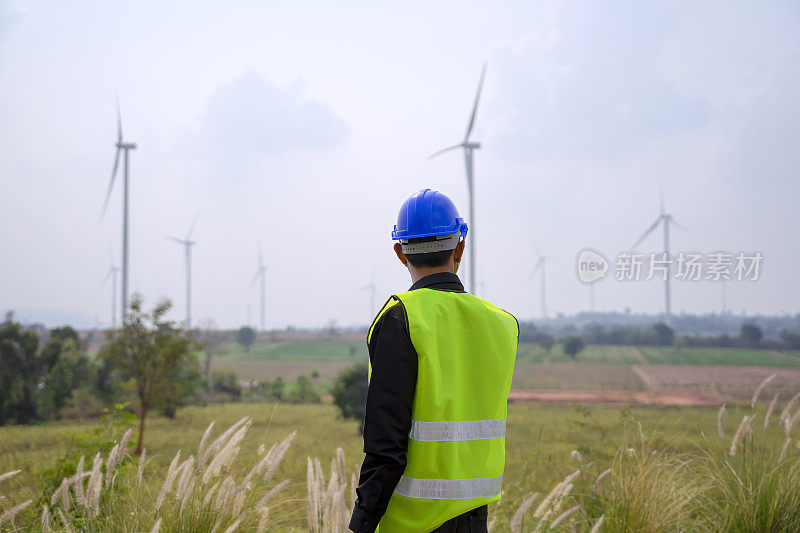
(792, 422)
(553, 500)
(272, 493)
(169, 480)
(225, 454)
(201, 449)
(787, 409)
(45, 519)
(77, 487)
(721, 422)
(740, 432)
(597, 525)
(563, 516)
(784, 449)
(12, 512)
(110, 462)
(600, 478)
(9, 475)
(140, 468)
(516, 520)
(770, 409)
(758, 390)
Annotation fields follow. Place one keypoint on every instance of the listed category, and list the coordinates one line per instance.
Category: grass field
(539, 444)
(327, 350)
(349, 351)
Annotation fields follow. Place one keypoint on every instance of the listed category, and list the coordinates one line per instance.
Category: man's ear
(400, 255)
(459, 251)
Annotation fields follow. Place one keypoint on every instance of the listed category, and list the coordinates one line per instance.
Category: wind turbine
(187, 244)
(261, 273)
(665, 219)
(121, 147)
(113, 271)
(468, 147)
(371, 288)
(541, 265)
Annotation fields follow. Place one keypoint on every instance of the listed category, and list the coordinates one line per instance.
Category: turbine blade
(191, 228)
(475, 106)
(119, 122)
(105, 279)
(110, 184)
(680, 226)
(440, 152)
(179, 241)
(255, 278)
(646, 233)
(538, 252)
(537, 266)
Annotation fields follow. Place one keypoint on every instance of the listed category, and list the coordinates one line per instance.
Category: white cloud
(252, 114)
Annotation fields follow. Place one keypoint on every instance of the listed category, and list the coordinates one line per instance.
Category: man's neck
(419, 273)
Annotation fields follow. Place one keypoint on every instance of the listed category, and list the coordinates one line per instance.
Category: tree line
(149, 363)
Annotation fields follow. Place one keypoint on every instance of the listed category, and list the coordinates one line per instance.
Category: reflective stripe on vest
(457, 431)
(449, 489)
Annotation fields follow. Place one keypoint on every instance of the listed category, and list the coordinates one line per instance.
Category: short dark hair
(430, 259)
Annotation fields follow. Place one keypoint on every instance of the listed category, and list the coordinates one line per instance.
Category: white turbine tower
(121, 147)
(187, 244)
(468, 147)
(113, 271)
(261, 272)
(665, 219)
(540, 266)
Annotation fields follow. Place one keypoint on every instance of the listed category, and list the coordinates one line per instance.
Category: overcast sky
(305, 125)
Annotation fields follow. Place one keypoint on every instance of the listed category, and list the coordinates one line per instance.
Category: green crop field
(668, 355)
(539, 445)
(327, 350)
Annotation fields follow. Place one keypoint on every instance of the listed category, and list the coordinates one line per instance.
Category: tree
(750, 334)
(350, 393)
(21, 369)
(147, 348)
(304, 392)
(573, 345)
(791, 341)
(211, 338)
(665, 335)
(547, 342)
(277, 389)
(246, 336)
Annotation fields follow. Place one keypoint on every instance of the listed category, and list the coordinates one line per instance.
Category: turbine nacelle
(126, 146)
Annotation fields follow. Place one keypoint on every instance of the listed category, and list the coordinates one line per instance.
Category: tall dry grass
(329, 504)
(211, 490)
(748, 481)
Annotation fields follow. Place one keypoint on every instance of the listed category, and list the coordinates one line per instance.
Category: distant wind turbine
(121, 147)
(113, 271)
(468, 147)
(666, 219)
(187, 244)
(261, 272)
(540, 266)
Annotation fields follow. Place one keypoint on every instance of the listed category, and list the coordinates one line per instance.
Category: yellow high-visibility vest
(466, 349)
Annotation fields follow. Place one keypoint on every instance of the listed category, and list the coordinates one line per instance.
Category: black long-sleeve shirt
(389, 399)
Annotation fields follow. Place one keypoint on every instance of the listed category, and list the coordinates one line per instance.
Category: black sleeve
(388, 419)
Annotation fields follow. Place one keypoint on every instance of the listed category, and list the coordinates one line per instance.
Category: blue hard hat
(428, 213)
